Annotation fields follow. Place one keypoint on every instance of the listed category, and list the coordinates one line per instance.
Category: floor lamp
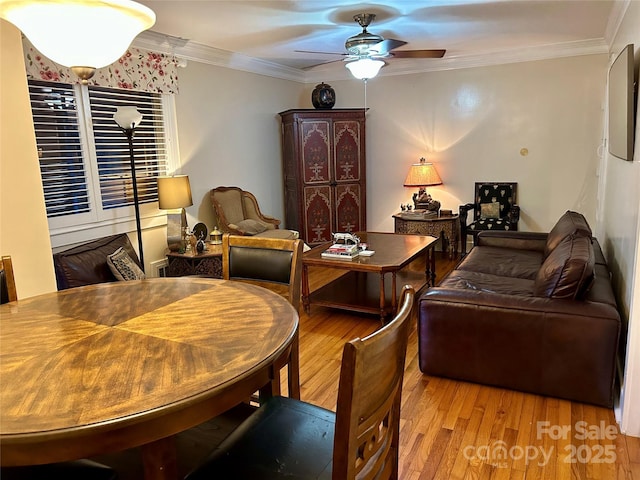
(128, 118)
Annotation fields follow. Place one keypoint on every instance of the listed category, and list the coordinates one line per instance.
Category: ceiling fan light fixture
(79, 33)
(365, 68)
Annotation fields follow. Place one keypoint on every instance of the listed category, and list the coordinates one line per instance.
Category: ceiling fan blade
(321, 53)
(386, 45)
(321, 63)
(418, 53)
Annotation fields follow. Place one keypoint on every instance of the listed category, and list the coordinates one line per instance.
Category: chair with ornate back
(287, 438)
(494, 208)
(74, 470)
(274, 263)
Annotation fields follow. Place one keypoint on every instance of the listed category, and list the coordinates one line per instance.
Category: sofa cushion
(571, 223)
(568, 270)
(123, 267)
(505, 262)
(488, 283)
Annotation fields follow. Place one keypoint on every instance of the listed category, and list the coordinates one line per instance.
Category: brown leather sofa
(86, 264)
(527, 311)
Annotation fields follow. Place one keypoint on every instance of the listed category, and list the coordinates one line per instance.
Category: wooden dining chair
(8, 292)
(276, 264)
(287, 438)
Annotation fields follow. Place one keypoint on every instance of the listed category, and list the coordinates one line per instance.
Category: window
(84, 156)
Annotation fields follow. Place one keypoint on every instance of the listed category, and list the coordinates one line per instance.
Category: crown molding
(188, 50)
(615, 19)
(197, 52)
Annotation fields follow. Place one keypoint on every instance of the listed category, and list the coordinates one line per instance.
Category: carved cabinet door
(324, 172)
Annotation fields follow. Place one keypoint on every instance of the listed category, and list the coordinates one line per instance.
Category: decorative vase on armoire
(324, 169)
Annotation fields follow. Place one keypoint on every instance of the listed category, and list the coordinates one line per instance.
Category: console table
(446, 228)
(207, 263)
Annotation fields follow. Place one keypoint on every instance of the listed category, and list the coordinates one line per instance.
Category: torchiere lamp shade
(173, 193)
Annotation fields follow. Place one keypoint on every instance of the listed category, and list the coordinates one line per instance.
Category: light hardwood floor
(449, 429)
(459, 430)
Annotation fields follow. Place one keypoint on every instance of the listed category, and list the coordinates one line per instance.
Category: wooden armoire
(324, 168)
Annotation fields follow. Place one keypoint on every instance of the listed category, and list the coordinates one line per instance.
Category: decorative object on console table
(173, 193)
(324, 169)
(422, 175)
(206, 264)
(128, 118)
(446, 227)
(323, 96)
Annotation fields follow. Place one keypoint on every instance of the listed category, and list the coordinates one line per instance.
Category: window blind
(112, 146)
(55, 118)
(84, 156)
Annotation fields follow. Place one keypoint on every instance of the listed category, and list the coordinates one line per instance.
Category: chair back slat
(369, 395)
(8, 292)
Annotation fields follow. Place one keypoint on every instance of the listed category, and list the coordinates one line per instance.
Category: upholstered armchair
(494, 208)
(238, 212)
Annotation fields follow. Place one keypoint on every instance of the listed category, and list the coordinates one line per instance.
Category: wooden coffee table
(363, 288)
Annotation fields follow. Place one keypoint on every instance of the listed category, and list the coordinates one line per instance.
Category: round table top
(109, 355)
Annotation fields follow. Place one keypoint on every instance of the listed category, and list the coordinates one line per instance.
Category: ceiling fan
(371, 46)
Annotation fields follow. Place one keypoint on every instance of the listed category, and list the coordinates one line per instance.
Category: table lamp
(175, 193)
(422, 175)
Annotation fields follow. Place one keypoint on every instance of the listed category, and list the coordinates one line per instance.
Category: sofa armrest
(513, 239)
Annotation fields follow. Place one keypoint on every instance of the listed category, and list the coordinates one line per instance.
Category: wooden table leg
(382, 299)
(305, 289)
(394, 299)
(431, 257)
(159, 459)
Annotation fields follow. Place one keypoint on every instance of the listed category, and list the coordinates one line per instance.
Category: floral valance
(136, 70)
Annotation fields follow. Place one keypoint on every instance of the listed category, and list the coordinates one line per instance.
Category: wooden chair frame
(287, 438)
(6, 265)
(368, 412)
(294, 283)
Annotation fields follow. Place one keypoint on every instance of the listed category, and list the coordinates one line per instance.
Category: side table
(207, 263)
(446, 228)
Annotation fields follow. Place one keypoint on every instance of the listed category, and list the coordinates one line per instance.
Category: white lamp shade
(79, 33)
(174, 192)
(127, 117)
(365, 68)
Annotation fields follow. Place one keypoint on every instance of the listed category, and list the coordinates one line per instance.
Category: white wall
(621, 226)
(24, 232)
(229, 134)
(472, 124)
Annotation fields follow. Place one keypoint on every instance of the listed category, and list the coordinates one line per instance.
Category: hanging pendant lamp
(80, 34)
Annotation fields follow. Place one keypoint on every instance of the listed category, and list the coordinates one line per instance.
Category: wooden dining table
(108, 367)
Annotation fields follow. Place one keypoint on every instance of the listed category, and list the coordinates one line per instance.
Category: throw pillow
(250, 226)
(568, 271)
(123, 266)
(490, 210)
(571, 223)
